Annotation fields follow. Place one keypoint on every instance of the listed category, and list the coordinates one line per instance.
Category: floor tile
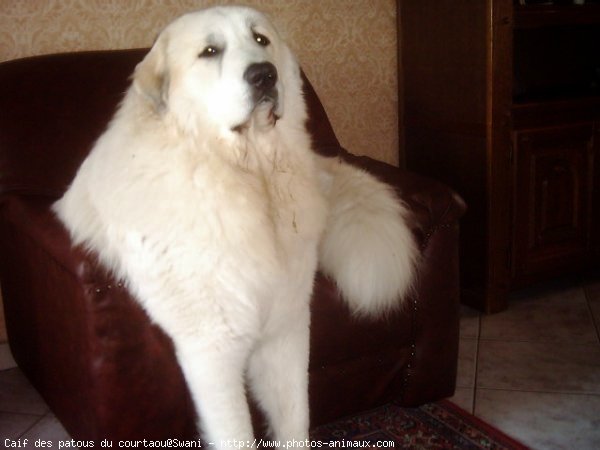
(463, 397)
(592, 292)
(48, 429)
(534, 366)
(6, 359)
(469, 322)
(3, 335)
(553, 316)
(14, 425)
(543, 421)
(467, 363)
(18, 396)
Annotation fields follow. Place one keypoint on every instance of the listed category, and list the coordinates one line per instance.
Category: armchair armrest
(434, 307)
(75, 332)
(433, 204)
(32, 216)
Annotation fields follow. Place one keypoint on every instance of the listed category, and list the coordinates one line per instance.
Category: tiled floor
(23, 413)
(533, 371)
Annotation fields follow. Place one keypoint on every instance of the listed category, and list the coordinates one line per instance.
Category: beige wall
(346, 47)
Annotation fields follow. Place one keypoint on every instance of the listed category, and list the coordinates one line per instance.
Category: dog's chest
(264, 197)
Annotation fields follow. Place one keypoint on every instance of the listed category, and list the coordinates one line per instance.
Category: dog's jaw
(262, 118)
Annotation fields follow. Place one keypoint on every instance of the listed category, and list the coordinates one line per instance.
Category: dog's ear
(151, 77)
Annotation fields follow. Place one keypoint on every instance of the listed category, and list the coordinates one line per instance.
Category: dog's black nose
(262, 77)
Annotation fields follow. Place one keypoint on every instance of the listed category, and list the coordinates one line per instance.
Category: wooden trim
(499, 101)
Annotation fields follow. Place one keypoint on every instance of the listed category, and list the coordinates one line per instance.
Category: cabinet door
(552, 200)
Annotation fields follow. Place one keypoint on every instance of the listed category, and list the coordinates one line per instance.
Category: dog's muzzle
(262, 77)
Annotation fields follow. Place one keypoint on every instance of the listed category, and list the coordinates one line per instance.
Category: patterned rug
(440, 425)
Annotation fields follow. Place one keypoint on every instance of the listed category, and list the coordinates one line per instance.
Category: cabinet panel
(552, 199)
(475, 78)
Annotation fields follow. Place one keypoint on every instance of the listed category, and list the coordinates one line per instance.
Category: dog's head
(223, 67)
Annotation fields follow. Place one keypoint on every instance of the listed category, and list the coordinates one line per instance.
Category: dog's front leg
(215, 377)
(278, 376)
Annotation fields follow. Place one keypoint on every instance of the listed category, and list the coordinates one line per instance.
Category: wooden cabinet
(502, 102)
(552, 196)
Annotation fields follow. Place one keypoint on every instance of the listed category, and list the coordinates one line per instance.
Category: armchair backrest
(54, 107)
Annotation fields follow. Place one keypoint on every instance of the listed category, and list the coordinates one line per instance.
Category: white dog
(205, 196)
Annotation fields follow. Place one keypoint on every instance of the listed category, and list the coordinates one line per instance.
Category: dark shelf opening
(557, 14)
(556, 62)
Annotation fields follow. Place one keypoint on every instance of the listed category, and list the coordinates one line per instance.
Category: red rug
(440, 425)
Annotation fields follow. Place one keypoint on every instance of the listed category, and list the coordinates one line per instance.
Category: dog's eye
(209, 52)
(261, 39)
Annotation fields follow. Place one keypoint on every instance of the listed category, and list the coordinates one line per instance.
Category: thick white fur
(213, 213)
(366, 246)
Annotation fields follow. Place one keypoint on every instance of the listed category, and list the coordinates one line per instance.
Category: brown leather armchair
(90, 350)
